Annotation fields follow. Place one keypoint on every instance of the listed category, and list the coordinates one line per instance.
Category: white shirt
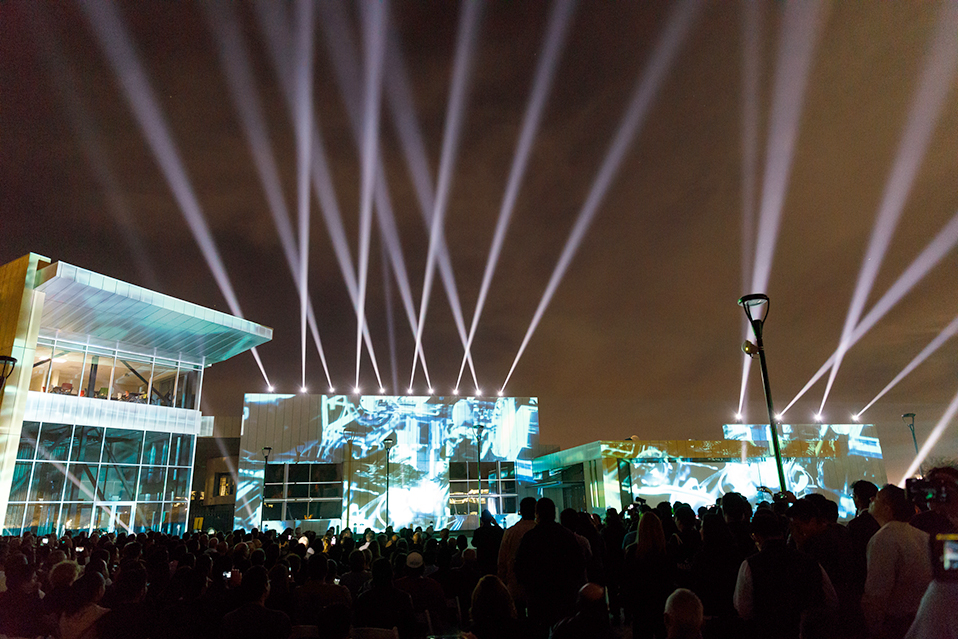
(899, 571)
(936, 617)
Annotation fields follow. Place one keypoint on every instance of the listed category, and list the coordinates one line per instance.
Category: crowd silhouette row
(786, 568)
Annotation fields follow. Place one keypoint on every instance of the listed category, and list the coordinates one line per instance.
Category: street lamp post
(262, 512)
(479, 428)
(388, 443)
(748, 303)
(911, 425)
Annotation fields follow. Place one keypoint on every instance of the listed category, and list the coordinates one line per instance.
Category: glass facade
(68, 368)
(75, 477)
(496, 491)
(303, 491)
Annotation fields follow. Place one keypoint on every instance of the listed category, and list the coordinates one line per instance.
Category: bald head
(683, 614)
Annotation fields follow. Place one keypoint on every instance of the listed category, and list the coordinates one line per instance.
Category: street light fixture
(911, 424)
(750, 303)
(7, 363)
(388, 443)
(262, 513)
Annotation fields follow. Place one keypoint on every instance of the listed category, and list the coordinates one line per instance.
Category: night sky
(643, 334)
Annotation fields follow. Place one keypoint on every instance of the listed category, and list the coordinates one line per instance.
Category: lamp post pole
(262, 512)
(479, 429)
(911, 425)
(748, 303)
(388, 443)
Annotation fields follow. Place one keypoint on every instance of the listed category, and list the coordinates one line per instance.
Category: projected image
(328, 458)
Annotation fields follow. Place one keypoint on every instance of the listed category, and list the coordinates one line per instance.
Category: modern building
(99, 418)
(358, 461)
(822, 458)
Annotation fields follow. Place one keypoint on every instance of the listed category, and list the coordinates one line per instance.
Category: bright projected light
(778, 416)
(455, 391)
(680, 22)
(499, 393)
(303, 389)
(382, 391)
(332, 390)
(431, 391)
(856, 417)
(270, 388)
(559, 20)
(356, 390)
(738, 417)
(923, 115)
(114, 39)
(818, 417)
(478, 393)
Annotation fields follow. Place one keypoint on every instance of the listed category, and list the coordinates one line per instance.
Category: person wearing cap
(426, 593)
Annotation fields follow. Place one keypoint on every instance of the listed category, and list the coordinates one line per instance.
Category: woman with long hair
(492, 614)
(647, 579)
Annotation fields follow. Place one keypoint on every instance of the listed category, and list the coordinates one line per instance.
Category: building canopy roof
(81, 302)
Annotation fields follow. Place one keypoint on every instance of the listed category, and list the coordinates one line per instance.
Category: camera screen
(949, 555)
(946, 556)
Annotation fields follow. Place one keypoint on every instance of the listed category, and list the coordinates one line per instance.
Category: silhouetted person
(253, 620)
(492, 614)
(899, 568)
(486, 540)
(510, 546)
(384, 605)
(861, 528)
(310, 598)
(549, 567)
(683, 615)
(647, 582)
(426, 593)
(590, 620)
(778, 586)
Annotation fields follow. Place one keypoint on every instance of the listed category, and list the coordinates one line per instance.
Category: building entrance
(114, 516)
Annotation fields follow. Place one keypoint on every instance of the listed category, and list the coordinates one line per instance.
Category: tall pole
(911, 425)
(262, 511)
(748, 302)
(388, 444)
(479, 428)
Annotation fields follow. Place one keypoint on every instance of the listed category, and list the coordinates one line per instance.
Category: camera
(226, 574)
(923, 490)
(944, 555)
(45, 541)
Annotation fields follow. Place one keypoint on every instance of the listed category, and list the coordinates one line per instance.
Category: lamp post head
(754, 301)
(266, 451)
(908, 418)
(7, 364)
(389, 442)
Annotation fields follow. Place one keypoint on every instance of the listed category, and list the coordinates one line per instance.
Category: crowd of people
(785, 568)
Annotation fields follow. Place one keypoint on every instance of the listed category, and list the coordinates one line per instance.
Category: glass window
(54, 442)
(177, 519)
(164, 381)
(122, 446)
(325, 509)
(81, 482)
(41, 367)
(156, 449)
(326, 472)
(507, 470)
(21, 481)
(181, 451)
(298, 473)
(76, 517)
(186, 389)
(508, 487)
(510, 504)
(131, 379)
(273, 511)
(326, 490)
(87, 441)
(461, 507)
(28, 440)
(42, 518)
(47, 484)
(14, 519)
(224, 485)
(459, 487)
(457, 470)
(298, 491)
(296, 510)
(152, 484)
(275, 473)
(148, 517)
(67, 371)
(176, 483)
(117, 483)
(99, 370)
(274, 491)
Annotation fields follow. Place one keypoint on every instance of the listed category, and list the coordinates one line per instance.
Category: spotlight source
(738, 417)
(356, 390)
(818, 417)
(455, 391)
(431, 391)
(303, 389)
(382, 390)
(499, 392)
(856, 417)
(478, 393)
(270, 388)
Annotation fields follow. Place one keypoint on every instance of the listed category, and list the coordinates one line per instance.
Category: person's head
(491, 601)
(415, 565)
(863, 492)
(486, 517)
(545, 510)
(318, 567)
(63, 574)
(569, 519)
(130, 584)
(891, 504)
(685, 518)
(650, 538)
(683, 614)
(827, 509)
(735, 507)
(255, 584)
(357, 561)
(20, 574)
(527, 508)
(279, 578)
(88, 589)
(382, 572)
(715, 532)
(766, 526)
(805, 520)
(590, 602)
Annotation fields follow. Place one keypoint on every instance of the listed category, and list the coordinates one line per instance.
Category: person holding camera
(939, 489)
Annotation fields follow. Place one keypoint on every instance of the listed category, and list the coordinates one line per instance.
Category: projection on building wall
(822, 458)
(327, 462)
